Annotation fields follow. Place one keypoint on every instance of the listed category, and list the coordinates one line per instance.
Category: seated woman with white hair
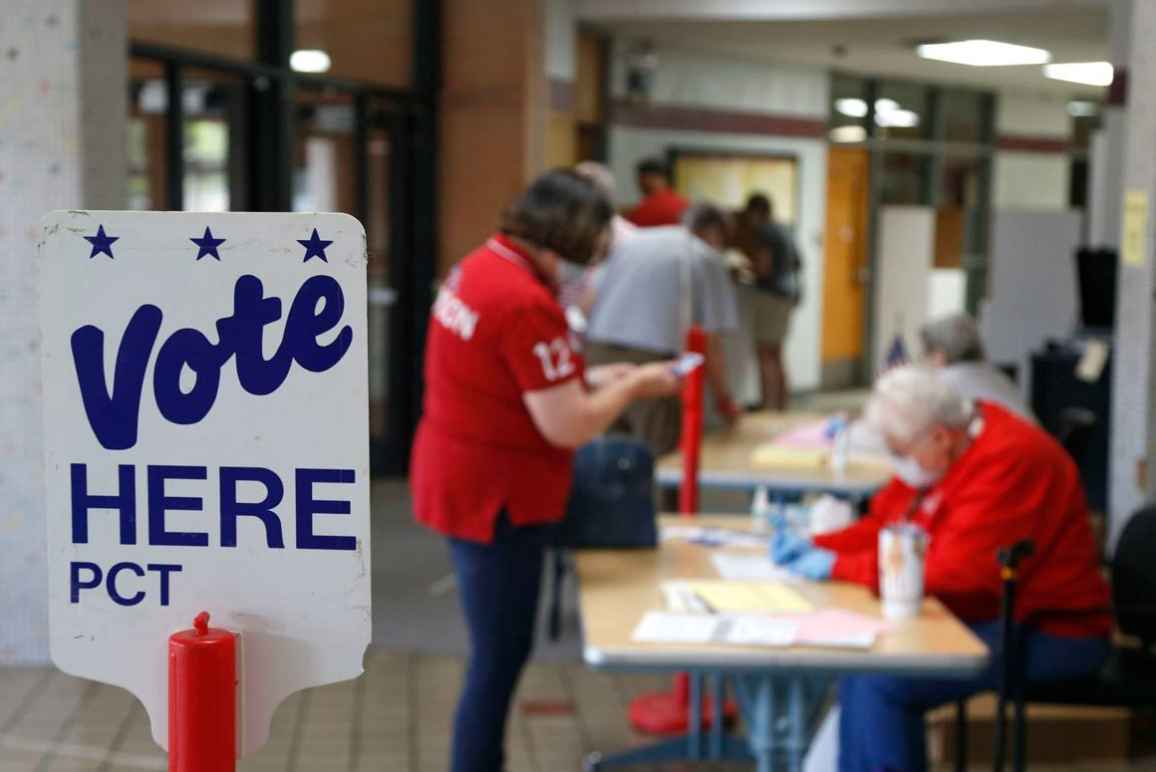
(976, 478)
(952, 343)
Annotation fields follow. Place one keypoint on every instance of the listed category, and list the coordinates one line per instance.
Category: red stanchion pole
(666, 713)
(203, 699)
(691, 438)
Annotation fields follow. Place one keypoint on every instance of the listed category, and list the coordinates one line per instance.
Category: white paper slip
(712, 537)
(665, 627)
(751, 630)
(749, 568)
(860, 640)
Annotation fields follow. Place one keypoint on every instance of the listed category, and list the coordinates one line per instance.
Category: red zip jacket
(1014, 482)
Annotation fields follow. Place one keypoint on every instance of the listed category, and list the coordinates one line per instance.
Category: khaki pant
(772, 317)
(656, 422)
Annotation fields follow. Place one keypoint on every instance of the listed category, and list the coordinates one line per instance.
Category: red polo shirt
(496, 332)
(1014, 482)
(662, 208)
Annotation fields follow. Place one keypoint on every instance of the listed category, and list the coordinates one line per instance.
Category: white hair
(600, 175)
(956, 336)
(909, 400)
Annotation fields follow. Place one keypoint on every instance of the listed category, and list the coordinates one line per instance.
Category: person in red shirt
(976, 478)
(507, 399)
(660, 205)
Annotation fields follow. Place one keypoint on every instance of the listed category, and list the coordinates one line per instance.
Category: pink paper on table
(810, 436)
(834, 627)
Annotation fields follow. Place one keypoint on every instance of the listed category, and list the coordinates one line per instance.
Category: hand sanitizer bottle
(761, 511)
(841, 445)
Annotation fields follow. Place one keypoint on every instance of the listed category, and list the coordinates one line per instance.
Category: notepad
(781, 457)
(730, 597)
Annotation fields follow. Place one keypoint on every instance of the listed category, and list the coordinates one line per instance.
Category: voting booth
(206, 449)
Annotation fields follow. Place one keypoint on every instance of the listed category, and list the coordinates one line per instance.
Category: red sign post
(203, 699)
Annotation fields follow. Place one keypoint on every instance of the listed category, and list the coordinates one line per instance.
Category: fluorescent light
(899, 119)
(1087, 73)
(848, 134)
(851, 107)
(983, 53)
(885, 105)
(309, 60)
(1078, 108)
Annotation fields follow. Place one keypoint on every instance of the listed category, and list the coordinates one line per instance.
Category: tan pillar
(493, 110)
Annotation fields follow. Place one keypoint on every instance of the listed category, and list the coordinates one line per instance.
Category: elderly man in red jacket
(976, 478)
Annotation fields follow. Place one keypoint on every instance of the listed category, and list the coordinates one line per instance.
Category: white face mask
(912, 472)
(571, 278)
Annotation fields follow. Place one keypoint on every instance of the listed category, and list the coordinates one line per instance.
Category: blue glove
(814, 564)
(786, 546)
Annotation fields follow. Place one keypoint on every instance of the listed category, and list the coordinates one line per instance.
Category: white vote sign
(206, 442)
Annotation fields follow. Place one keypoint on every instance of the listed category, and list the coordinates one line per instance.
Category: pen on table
(704, 603)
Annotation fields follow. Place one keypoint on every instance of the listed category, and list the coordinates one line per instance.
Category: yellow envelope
(780, 457)
(767, 597)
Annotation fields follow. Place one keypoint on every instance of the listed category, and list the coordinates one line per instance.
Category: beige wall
(493, 114)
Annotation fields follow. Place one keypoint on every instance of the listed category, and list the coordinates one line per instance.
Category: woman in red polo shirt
(507, 399)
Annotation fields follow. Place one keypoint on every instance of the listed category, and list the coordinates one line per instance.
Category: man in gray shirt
(657, 283)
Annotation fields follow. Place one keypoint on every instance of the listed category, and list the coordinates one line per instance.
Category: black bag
(611, 506)
(612, 500)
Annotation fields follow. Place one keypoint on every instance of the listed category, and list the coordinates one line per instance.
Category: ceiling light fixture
(983, 53)
(309, 60)
(848, 134)
(1079, 108)
(852, 107)
(1086, 73)
(897, 119)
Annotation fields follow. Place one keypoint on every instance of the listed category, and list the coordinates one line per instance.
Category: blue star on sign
(314, 247)
(207, 245)
(101, 243)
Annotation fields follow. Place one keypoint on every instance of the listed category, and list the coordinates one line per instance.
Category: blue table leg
(798, 728)
(758, 697)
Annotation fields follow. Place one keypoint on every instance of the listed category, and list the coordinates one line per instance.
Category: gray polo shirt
(650, 277)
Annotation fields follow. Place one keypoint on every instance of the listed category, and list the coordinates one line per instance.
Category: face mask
(571, 278)
(913, 474)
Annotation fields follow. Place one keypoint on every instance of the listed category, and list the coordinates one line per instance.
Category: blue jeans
(881, 726)
(498, 584)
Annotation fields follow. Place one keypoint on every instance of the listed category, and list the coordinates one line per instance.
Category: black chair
(1128, 677)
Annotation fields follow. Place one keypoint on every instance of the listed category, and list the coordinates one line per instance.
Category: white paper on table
(750, 568)
(752, 630)
(713, 537)
(666, 627)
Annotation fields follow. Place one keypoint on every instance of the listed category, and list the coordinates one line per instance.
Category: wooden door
(844, 266)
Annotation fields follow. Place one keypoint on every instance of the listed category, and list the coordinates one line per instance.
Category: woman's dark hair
(653, 165)
(561, 211)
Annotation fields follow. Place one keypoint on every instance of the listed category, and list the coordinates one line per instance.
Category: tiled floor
(396, 718)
